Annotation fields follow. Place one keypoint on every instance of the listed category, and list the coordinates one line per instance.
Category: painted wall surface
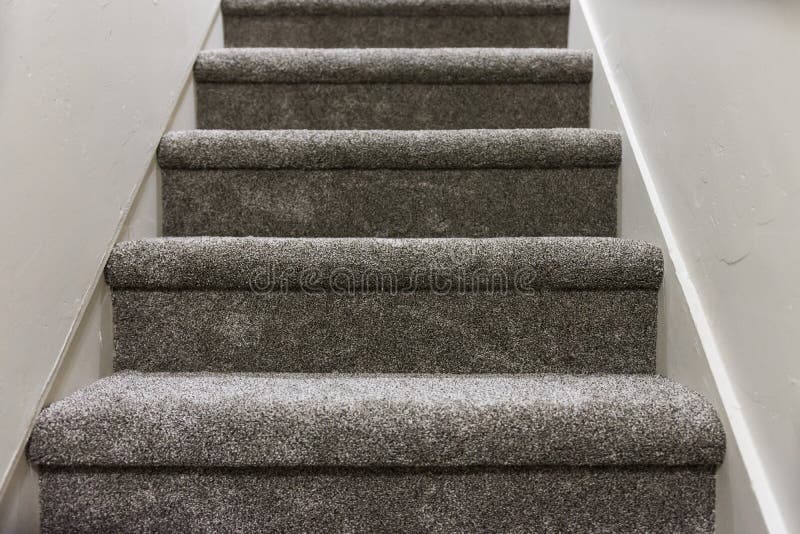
(710, 90)
(680, 353)
(87, 90)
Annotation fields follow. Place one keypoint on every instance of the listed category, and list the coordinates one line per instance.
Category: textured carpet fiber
(395, 23)
(394, 65)
(392, 299)
(553, 500)
(469, 183)
(392, 88)
(269, 420)
(393, 7)
(627, 454)
(385, 305)
(387, 149)
(389, 202)
(396, 31)
(302, 331)
(444, 265)
(399, 106)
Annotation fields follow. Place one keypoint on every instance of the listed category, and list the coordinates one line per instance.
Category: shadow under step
(385, 305)
(395, 23)
(343, 453)
(389, 183)
(392, 88)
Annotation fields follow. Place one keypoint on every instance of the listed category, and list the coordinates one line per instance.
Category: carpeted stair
(395, 23)
(394, 88)
(411, 316)
(390, 183)
(323, 453)
(372, 305)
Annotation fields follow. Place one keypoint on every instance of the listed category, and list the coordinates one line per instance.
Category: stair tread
(394, 65)
(394, 7)
(524, 263)
(389, 149)
(200, 419)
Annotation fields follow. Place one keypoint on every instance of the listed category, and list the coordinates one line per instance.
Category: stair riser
(390, 203)
(581, 499)
(236, 106)
(473, 332)
(541, 31)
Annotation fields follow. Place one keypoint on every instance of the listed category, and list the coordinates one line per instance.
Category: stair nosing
(185, 417)
(518, 264)
(390, 149)
(450, 66)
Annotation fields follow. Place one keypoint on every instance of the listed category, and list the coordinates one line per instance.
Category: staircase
(434, 329)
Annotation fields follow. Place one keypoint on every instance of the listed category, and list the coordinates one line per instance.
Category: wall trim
(86, 299)
(765, 497)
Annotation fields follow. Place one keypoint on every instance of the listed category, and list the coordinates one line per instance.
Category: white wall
(709, 91)
(87, 90)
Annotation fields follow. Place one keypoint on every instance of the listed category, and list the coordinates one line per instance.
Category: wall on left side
(87, 90)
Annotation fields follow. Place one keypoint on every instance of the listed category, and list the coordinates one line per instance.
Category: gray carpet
(392, 88)
(396, 31)
(385, 305)
(360, 24)
(380, 305)
(419, 332)
(390, 202)
(395, 183)
(449, 265)
(387, 149)
(393, 7)
(393, 65)
(555, 500)
(134, 419)
(393, 300)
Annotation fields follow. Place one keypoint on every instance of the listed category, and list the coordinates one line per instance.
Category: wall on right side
(710, 100)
